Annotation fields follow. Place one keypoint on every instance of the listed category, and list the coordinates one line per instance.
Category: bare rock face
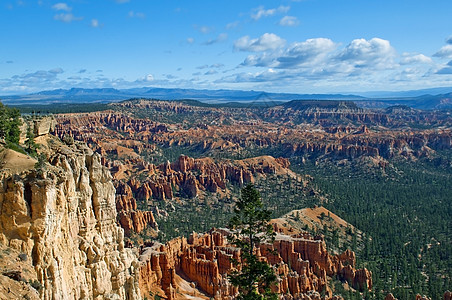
(129, 217)
(44, 126)
(63, 217)
(302, 263)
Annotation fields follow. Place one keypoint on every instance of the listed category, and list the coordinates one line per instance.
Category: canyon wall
(302, 263)
(63, 216)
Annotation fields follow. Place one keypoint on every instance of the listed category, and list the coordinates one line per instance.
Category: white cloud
(444, 52)
(415, 59)
(190, 40)
(268, 41)
(67, 17)
(62, 6)
(261, 12)
(289, 21)
(307, 52)
(300, 54)
(261, 60)
(29, 81)
(373, 53)
(320, 60)
(148, 78)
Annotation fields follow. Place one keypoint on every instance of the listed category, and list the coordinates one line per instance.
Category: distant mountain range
(421, 99)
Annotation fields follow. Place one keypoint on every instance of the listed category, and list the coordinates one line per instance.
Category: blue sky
(304, 46)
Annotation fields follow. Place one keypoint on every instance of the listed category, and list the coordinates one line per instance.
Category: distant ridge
(233, 98)
(329, 104)
(80, 95)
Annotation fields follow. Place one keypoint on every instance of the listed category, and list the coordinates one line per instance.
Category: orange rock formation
(303, 264)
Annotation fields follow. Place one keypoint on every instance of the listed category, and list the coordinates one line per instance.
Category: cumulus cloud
(289, 21)
(220, 38)
(62, 6)
(309, 51)
(374, 53)
(415, 59)
(325, 62)
(268, 41)
(147, 78)
(65, 14)
(190, 40)
(29, 81)
(297, 55)
(261, 60)
(261, 12)
(444, 52)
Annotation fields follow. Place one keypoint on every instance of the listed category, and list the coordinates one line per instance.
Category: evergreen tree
(9, 124)
(30, 141)
(250, 226)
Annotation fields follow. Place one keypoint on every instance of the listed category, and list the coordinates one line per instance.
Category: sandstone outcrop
(63, 217)
(126, 137)
(129, 217)
(303, 264)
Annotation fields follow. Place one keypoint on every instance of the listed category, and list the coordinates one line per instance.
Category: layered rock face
(63, 216)
(303, 264)
(129, 217)
(186, 177)
(129, 137)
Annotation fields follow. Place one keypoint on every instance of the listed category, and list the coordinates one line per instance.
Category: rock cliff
(185, 178)
(362, 135)
(302, 262)
(62, 216)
